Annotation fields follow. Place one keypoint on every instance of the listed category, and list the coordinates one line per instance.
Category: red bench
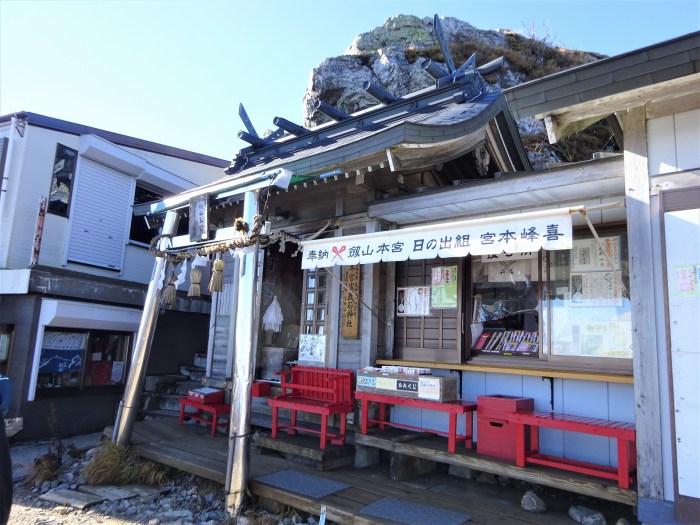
(323, 391)
(215, 410)
(623, 432)
(453, 408)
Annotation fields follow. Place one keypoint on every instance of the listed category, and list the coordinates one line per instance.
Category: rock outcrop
(390, 56)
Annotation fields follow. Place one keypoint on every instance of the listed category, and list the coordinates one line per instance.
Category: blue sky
(175, 71)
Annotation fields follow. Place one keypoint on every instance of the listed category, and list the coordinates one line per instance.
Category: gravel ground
(183, 500)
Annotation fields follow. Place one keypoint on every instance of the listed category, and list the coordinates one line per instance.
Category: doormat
(413, 513)
(302, 483)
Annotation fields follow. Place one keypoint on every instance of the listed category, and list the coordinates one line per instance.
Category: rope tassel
(216, 284)
(195, 279)
(169, 293)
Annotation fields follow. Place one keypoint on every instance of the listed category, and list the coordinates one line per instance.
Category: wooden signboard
(351, 310)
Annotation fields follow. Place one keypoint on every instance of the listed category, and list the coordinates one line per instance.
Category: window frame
(54, 179)
(85, 374)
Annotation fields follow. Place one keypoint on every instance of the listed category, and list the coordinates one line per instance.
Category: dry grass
(120, 465)
(46, 467)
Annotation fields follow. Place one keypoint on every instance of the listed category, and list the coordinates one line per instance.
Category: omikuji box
(208, 396)
(422, 386)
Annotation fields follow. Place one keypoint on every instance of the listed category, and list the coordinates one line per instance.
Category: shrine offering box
(496, 435)
(422, 386)
(208, 396)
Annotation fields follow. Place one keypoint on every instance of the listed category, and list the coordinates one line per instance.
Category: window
(588, 313)
(505, 304)
(81, 359)
(314, 306)
(6, 333)
(578, 310)
(140, 233)
(62, 180)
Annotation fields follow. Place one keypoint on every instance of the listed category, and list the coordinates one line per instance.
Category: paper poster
(117, 371)
(413, 301)
(587, 256)
(596, 289)
(687, 280)
(312, 347)
(444, 287)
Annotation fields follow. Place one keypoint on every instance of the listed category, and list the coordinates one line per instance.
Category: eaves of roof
(636, 69)
(347, 147)
(72, 128)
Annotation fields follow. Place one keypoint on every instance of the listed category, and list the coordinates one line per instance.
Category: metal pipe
(239, 436)
(490, 67)
(433, 69)
(379, 93)
(251, 139)
(144, 338)
(289, 127)
(331, 111)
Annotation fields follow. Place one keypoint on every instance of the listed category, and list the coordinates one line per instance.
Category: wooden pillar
(369, 325)
(645, 356)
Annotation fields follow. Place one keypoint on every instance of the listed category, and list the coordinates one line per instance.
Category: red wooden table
(216, 410)
(623, 432)
(453, 408)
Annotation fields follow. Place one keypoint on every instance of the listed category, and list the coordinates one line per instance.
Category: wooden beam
(537, 370)
(639, 240)
(658, 96)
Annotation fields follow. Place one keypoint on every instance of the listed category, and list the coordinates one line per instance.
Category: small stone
(531, 502)
(487, 478)
(622, 521)
(586, 516)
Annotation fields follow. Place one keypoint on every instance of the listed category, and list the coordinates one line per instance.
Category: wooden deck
(192, 449)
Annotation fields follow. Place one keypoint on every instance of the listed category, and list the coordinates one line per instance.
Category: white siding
(99, 215)
(683, 256)
(674, 143)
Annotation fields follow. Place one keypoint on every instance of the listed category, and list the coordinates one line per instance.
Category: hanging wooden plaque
(351, 305)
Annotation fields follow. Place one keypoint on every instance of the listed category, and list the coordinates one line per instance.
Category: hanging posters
(593, 281)
(413, 301)
(444, 287)
(351, 310)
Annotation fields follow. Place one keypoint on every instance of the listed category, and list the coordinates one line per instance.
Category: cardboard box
(208, 396)
(435, 388)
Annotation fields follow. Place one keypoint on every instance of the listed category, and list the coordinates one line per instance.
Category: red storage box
(496, 435)
(208, 396)
(499, 406)
(261, 388)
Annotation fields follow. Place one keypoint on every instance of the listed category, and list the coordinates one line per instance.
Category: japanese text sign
(525, 232)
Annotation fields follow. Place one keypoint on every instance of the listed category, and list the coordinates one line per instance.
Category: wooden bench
(453, 408)
(623, 432)
(216, 410)
(323, 391)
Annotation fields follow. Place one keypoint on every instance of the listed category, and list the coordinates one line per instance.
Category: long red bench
(453, 408)
(323, 391)
(623, 432)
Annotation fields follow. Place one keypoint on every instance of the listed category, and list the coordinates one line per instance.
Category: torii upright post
(137, 372)
(239, 435)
